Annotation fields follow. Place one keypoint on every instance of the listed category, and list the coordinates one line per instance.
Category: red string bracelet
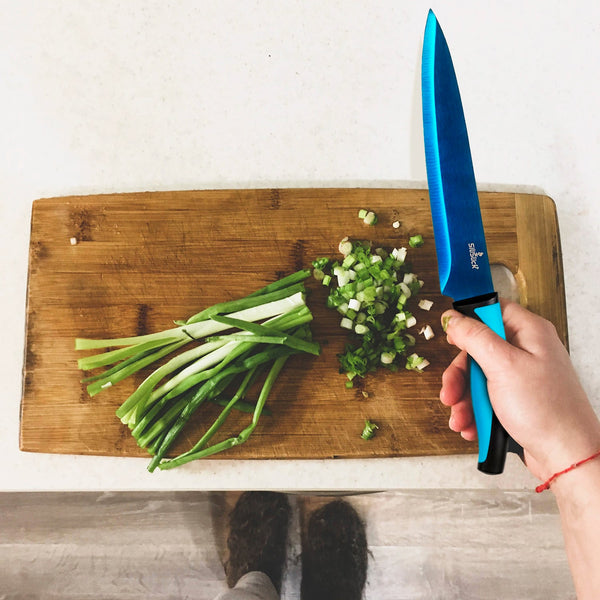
(546, 485)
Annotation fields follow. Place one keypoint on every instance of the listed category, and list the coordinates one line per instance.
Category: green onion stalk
(215, 357)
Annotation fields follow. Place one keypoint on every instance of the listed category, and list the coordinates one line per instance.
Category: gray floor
(424, 544)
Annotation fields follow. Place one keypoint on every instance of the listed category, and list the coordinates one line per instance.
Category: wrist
(578, 491)
(546, 485)
(570, 451)
(566, 479)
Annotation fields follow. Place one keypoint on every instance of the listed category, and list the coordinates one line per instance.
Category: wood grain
(144, 259)
(540, 269)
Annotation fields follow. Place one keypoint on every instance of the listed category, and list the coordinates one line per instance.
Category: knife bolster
(467, 307)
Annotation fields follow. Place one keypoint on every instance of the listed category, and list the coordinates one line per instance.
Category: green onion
(416, 241)
(320, 263)
(230, 345)
(372, 290)
(368, 432)
(370, 218)
(198, 451)
(416, 363)
(241, 406)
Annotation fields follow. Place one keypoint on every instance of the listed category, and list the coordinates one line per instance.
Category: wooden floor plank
(429, 544)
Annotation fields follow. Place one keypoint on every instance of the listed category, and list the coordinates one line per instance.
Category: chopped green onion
(345, 246)
(370, 290)
(399, 254)
(370, 218)
(427, 332)
(425, 304)
(416, 363)
(416, 241)
(348, 261)
(387, 358)
(368, 432)
(320, 263)
(347, 323)
(354, 304)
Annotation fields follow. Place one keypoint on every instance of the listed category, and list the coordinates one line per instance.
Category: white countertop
(107, 96)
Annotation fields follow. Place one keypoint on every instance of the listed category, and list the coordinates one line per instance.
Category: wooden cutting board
(144, 259)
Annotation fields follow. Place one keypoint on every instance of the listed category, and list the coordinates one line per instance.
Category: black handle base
(494, 463)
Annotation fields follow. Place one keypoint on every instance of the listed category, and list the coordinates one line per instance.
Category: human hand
(532, 385)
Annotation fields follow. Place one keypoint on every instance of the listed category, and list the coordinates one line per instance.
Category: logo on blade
(474, 255)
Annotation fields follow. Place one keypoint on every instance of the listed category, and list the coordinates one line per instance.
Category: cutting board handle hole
(504, 282)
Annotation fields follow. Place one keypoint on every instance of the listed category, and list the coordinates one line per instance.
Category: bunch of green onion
(230, 346)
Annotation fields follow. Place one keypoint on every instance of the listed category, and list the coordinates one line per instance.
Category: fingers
(454, 380)
(461, 419)
(531, 359)
(455, 393)
(492, 353)
(469, 433)
(526, 330)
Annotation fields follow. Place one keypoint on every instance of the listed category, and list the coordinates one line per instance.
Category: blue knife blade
(463, 262)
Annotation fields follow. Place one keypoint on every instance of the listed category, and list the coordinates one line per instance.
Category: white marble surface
(107, 96)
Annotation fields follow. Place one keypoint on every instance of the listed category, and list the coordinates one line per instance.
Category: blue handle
(492, 317)
(493, 439)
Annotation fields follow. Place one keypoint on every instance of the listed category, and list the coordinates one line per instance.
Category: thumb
(486, 347)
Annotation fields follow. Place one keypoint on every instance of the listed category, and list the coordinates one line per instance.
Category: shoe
(334, 554)
(257, 539)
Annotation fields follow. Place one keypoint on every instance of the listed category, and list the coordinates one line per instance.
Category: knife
(463, 263)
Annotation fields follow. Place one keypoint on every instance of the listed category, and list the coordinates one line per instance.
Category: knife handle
(493, 439)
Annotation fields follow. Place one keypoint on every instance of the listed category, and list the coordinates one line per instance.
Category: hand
(532, 385)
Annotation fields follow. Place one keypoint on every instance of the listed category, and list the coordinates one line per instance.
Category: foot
(334, 554)
(257, 540)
